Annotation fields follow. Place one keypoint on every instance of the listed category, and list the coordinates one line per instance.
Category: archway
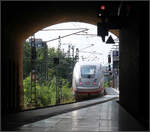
(28, 18)
(66, 38)
(32, 20)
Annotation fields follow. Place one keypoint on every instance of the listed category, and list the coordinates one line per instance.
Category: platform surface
(108, 116)
(93, 116)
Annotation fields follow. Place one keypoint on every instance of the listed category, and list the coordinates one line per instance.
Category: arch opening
(49, 57)
(21, 23)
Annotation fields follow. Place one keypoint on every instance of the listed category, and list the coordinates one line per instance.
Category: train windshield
(88, 71)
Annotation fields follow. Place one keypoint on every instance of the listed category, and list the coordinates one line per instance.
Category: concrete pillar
(134, 64)
(12, 92)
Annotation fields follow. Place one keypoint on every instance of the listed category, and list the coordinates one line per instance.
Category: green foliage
(47, 75)
(106, 84)
(46, 93)
(26, 84)
(26, 59)
(66, 90)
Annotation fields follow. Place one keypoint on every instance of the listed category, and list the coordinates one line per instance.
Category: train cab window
(88, 71)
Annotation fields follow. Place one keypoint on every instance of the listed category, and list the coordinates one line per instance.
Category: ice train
(87, 80)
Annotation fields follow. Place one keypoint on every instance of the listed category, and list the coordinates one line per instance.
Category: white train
(88, 80)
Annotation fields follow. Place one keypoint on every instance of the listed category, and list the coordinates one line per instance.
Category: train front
(90, 82)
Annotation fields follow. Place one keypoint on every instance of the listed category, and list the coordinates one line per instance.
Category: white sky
(78, 41)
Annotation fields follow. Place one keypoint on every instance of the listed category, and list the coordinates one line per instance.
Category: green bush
(46, 93)
(106, 84)
(48, 74)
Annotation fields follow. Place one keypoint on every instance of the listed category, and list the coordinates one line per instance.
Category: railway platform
(99, 114)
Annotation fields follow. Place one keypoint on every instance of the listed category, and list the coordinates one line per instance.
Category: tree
(48, 74)
(26, 59)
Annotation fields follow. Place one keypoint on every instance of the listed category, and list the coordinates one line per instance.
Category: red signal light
(103, 7)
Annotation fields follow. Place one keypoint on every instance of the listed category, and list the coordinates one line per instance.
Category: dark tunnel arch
(28, 24)
(28, 18)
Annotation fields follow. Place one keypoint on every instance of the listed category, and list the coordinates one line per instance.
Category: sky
(97, 50)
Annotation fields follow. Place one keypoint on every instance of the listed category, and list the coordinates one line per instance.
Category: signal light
(103, 7)
(109, 68)
(109, 59)
(56, 61)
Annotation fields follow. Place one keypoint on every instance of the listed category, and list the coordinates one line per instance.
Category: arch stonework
(32, 19)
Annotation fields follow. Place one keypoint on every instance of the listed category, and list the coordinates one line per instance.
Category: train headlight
(80, 83)
(94, 83)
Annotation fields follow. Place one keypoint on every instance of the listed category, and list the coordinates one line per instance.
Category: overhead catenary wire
(83, 30)
(67, 35)
(63, 29)
(92, 52)
(75, 33)
(95, 35)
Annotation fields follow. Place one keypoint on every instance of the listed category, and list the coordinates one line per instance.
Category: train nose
(95, 82)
